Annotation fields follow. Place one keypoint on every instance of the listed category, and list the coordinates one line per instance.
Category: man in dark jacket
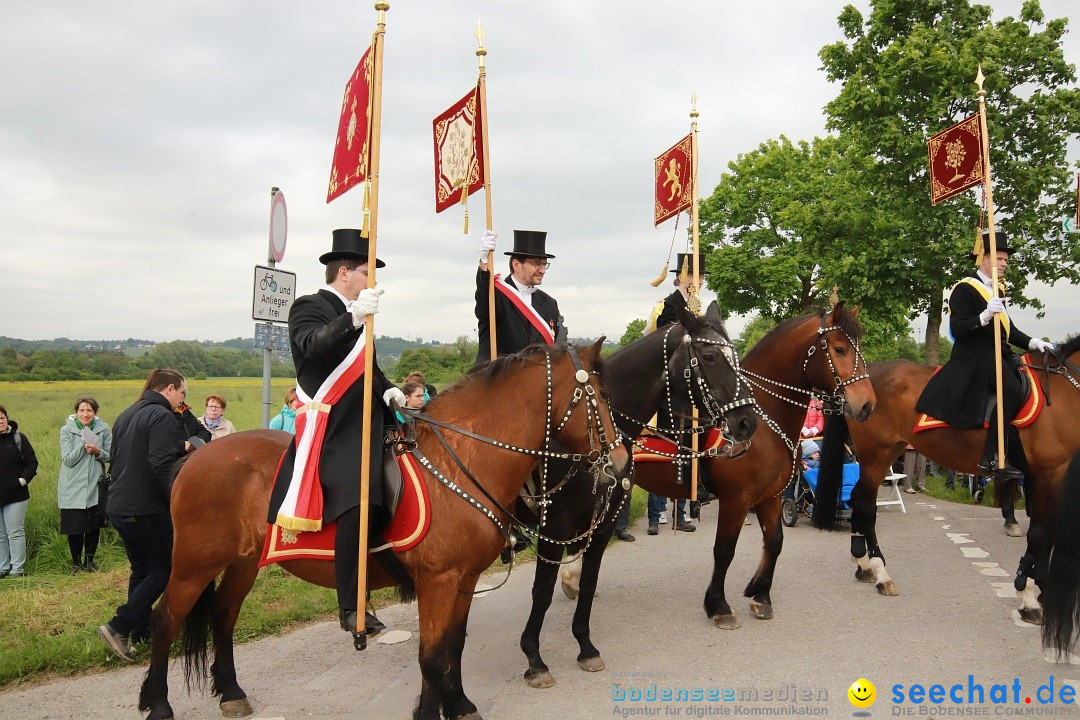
(961, 393)
(146, 443)
(524, 314)
(326, 332)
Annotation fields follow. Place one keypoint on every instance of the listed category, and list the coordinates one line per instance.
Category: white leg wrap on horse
(570, 577)
(878, 567)
(1027, 596)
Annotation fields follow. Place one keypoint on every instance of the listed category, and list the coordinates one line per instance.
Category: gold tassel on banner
(663, 274)
(367, 209)
(466, 230)
(978, 250)
(684, 272)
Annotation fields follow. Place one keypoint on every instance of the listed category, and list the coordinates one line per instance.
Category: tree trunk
(933, 331)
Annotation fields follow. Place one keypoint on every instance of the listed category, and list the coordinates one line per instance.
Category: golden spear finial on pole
(979, 78)
(481, 53)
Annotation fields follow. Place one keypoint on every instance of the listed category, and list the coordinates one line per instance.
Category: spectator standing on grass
(147, 442)
(214, 420)
(286, 419)
(18, 466)
(85, 448)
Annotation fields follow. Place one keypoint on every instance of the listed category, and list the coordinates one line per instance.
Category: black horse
(694, 360)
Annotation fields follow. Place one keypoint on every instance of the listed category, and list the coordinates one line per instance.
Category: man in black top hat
(524, 314)
(326, 335)
(681, 296)
(963, 391)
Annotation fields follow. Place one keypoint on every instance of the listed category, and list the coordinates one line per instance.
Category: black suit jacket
(513, 330)
(959, 392)
(321, 334)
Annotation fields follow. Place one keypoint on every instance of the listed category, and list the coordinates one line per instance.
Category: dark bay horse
(220, 500)
(694, 360)
(1049, 444)
(816, 352)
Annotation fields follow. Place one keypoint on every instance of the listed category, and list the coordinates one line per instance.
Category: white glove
(805, 432)
(487, 244)
(22, 481)
(994, 305)
(366, 304)
(394, 394)
(1038, 345)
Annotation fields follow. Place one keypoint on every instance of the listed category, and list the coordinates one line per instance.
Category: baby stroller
(799, 494)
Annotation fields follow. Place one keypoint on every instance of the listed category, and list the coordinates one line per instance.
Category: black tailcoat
(514, 331)
(321, 334)
(959, 392)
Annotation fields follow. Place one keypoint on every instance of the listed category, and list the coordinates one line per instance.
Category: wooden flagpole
(369, 325)
(696, 285)
(993, 268)
(481, 52)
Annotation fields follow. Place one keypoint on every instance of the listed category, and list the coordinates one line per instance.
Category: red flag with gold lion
(352, 147)
(956, 159)
(674, 180)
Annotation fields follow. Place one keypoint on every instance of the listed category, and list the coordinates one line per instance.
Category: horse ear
(592, 352)
(837, 311)
(855, 311)
(691, 322)
(713, 313)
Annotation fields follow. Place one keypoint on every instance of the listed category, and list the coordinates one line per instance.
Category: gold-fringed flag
(956, 159)
(352, 149)
(674, 181)
(459, 143)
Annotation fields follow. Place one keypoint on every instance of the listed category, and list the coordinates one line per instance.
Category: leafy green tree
(907, 71)
(635, 330)
(757, 328)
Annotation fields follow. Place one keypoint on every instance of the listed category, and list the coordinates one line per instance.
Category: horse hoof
(761, 611)
(1013, 530)
(470, 716)
(569, 590)
(236, 708)
(888, 589)
(539, 680)
(595, 664)
(864, 575)
(727, 622)
(1033, 616)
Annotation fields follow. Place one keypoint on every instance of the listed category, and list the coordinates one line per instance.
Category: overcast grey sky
(139, 142)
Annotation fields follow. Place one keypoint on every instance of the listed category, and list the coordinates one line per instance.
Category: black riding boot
(989, 465)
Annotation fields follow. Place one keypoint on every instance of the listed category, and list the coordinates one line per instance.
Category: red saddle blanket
(406, 530)
(1027, 414)
(654, 445)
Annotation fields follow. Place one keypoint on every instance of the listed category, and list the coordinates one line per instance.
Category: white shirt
(347, 301)
(525, 291)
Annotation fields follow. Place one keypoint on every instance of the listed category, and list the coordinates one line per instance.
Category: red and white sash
(528, 311)
(302, 508)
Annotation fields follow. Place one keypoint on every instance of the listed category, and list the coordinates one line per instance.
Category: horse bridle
(837, 397)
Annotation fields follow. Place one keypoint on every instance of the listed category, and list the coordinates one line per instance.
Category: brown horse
(220, 500)
(815, 352)
(1049, 444)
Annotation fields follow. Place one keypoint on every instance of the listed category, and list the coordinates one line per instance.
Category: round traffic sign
(279, 225)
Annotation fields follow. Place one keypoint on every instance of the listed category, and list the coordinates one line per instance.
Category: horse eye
(840, 350)
(709, 358)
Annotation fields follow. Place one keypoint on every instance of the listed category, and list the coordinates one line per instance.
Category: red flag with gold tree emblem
(956, 160)
(352, 147)
(674, 183)
(459, 163)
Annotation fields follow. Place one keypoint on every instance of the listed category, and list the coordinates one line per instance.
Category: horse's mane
(846, 320)
(486, 372)
(1071, 345)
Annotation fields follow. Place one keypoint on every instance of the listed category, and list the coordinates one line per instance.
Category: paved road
(953, 619)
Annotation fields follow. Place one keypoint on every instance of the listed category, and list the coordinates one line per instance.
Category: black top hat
(1001, 242)
(529, 243)
(349, 243)
(682, 257)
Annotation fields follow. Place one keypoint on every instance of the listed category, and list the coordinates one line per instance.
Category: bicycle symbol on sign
(268, 283)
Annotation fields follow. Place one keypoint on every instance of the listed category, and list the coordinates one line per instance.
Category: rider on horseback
(963, 391)
(326, 335)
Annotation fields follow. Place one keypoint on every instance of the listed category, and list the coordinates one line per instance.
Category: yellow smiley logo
(862, 693)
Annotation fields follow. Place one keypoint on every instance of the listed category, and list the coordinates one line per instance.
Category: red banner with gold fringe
(673, 178)
(352, 146)
(459, 149)
(956, 159)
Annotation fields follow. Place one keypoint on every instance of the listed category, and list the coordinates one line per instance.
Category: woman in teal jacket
(85, 448)
(286, 419)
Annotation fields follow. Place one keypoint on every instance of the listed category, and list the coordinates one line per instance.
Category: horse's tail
(1061, 594)
(830, 471)
(194, 636)
(1006, 491)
